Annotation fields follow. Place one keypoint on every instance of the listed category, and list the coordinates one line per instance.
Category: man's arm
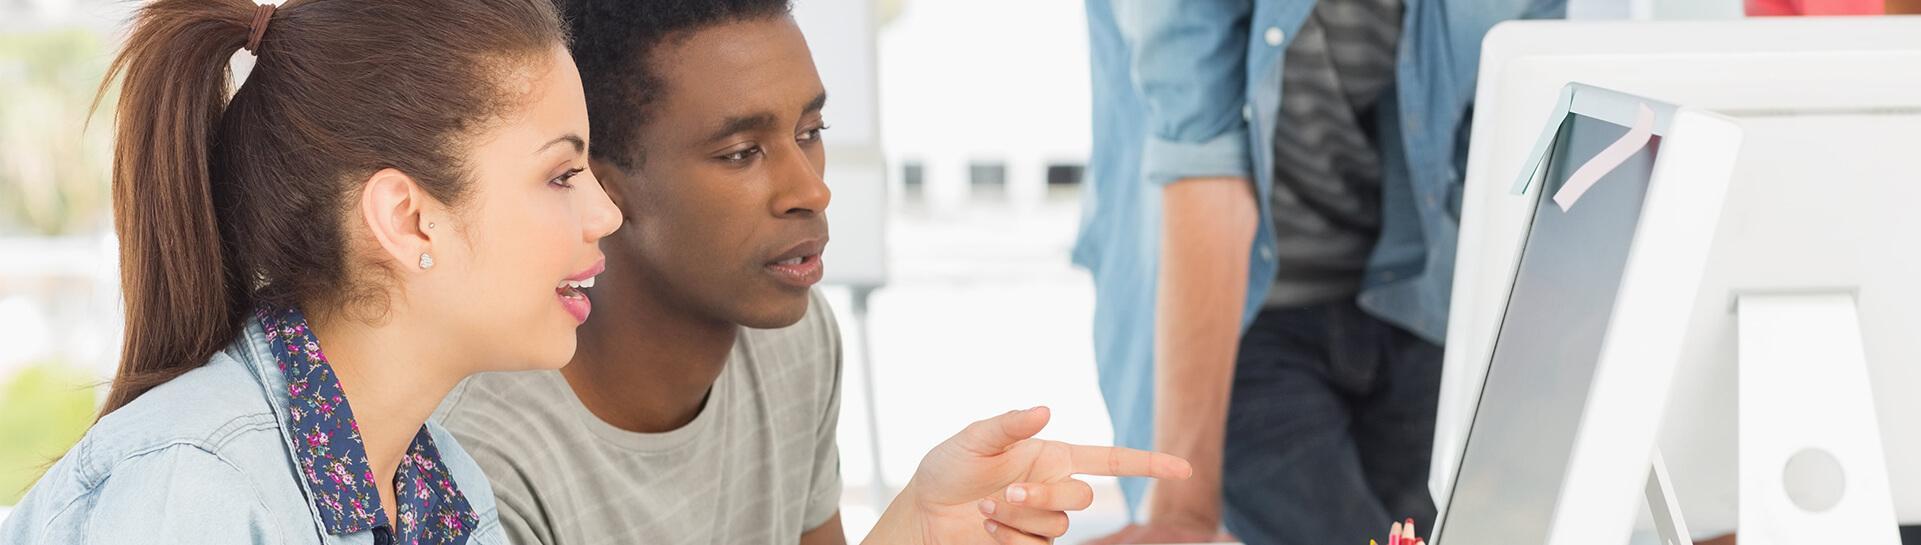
(1207, 227)
(1188, 62)
(828, 533)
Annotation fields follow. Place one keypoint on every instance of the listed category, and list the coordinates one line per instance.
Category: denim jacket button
(1274, 35)
(1247, 112)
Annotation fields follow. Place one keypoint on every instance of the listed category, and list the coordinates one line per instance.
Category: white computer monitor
(1822, 199)
(1624, 194)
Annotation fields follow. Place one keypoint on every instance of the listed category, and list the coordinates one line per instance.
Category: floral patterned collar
(332, 459)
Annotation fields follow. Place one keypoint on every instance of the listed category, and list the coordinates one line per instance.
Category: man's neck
(647, 367)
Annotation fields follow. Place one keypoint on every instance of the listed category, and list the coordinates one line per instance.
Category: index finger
(1127, 462)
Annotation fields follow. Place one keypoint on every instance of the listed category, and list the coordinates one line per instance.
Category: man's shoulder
(487, 405)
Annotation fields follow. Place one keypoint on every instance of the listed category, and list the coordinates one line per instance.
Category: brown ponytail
(222, 205)
(179, 305)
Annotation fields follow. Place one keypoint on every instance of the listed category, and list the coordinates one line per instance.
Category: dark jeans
(1330, 429)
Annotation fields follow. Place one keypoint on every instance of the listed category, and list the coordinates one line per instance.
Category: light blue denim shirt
(207, 458)
(1192, 88)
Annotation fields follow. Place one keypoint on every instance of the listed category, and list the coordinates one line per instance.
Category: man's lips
(800, 266)
(810, 247)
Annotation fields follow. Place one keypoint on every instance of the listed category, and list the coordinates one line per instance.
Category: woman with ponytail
(394, 199)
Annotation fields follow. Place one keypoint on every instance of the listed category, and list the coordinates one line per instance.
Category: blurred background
(59, 328)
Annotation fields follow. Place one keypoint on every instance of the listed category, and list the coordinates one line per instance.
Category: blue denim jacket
(1192, 88)
(207, 458)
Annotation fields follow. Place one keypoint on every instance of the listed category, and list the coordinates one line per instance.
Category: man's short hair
(613, 42)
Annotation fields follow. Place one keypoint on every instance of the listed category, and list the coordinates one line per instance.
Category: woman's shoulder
(130, 480)
(214, 419)
(217, 408)
(176, 493)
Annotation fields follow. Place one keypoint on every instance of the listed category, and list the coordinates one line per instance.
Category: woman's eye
(564, 180)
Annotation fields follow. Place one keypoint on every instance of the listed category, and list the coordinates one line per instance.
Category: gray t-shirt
(758, 465)
(1326, 200)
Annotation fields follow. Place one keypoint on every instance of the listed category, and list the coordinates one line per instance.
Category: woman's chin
(562, 351)
(551, 349)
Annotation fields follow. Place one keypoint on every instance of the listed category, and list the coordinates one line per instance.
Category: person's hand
(1403, 534)
(994, 483)
(1154, 532)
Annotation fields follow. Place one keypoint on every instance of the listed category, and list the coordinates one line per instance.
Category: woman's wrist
(903, 521)
(912, 520)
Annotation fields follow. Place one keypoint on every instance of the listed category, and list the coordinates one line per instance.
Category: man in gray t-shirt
(700, 405)
(702, 399)
(758, 464)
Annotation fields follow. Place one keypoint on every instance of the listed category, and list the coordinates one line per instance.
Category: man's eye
(742, 155)
(813, 134)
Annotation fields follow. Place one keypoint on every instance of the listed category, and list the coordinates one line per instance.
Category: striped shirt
(1336, 75)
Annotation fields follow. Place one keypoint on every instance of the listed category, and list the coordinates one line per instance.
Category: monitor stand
(1811, 468)
(1668, 524)
(1811, 465)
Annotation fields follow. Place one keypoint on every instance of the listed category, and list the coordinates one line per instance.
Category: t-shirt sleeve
(823, 497)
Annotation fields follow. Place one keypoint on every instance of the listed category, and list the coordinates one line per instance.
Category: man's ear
(395, 209)
(613, 180)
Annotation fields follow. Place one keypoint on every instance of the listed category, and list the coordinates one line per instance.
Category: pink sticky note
(1607, 160)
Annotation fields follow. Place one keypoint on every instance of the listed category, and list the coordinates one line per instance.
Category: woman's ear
(395, 209)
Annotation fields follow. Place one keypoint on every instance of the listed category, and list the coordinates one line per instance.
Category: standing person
(703, 403)
(1271, 230)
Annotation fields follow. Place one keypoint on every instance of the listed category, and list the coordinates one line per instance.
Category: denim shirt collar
(331, 458)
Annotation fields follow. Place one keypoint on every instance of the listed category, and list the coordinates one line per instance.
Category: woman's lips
(576, 303)
(572, 291)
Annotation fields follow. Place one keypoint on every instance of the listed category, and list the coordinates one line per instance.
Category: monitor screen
(1518, 445)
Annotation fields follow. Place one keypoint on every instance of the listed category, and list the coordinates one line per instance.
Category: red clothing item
(1763, 8)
